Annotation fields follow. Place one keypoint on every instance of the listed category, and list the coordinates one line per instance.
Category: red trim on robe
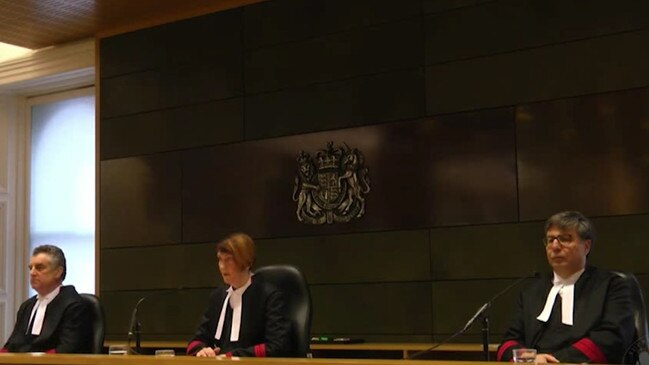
(228, 354)
(504, 347)
(4, 350)
(51, 351)
(192, 345)
(260, 350)
(590, 349)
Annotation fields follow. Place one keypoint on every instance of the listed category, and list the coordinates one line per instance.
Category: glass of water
(524, 355)
(117, 350)
(165, 352)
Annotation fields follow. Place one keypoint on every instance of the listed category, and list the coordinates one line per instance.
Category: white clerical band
(37, 325)
(38, 312)
(567, 303)
(549, 303)
(235, 300)
(219, 327)
(235, 303)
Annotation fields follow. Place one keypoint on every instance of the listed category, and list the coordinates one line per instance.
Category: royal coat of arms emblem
(331, 187)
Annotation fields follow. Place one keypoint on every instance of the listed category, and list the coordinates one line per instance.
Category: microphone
(134, 328)
(481, 310)
(480, 313)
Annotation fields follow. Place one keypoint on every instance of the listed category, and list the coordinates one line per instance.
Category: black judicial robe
(602, 321)
(264, 331)
(66, 326)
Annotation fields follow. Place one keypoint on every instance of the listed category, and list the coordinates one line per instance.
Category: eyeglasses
(565, 240)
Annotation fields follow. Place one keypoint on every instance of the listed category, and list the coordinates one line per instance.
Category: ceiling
(37, 24)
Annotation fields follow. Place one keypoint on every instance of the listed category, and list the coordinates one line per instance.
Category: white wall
(8, 154)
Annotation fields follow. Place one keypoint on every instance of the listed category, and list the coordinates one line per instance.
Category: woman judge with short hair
(247, 317)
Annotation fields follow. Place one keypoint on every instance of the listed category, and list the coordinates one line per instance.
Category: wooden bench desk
(72, 359)
(394, 350)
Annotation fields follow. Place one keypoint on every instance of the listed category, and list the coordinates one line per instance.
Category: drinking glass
(165, 352)
(525, 355)
(117, 350)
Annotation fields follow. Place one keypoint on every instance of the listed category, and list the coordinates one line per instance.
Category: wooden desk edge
(369, 346)
(70, 359)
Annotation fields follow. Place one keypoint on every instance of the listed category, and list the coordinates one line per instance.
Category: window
(62, 181)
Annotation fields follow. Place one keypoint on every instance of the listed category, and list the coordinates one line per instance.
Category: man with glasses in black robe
(577, 314)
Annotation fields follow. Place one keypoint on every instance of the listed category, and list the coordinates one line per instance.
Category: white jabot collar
(566, 288)
(39, 308)
(235, 299)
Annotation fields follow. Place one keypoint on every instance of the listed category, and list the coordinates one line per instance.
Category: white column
(8, 177)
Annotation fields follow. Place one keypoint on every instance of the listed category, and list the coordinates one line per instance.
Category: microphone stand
(135, 328)
(485, 337)
(481, 313)
(138, 336)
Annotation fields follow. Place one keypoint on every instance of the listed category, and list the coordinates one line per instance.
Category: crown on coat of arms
(329, 158)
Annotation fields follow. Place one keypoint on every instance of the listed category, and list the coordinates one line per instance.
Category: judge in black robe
(264, 330)
(262, 327)
(603, 321)
(65, 325)
(598, 328)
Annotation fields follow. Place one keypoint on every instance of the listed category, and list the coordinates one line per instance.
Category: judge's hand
(208, 352)
(544, 358)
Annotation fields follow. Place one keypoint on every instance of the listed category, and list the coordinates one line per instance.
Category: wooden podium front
(378, 350)
(68, 359)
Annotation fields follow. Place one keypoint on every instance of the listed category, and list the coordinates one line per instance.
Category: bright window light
(9, 51)
(62, 196)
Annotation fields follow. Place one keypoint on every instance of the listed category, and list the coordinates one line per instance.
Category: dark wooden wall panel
(461, 107)
(387, 308)
(195, 125)
(588, 153)
(362, 51)
(432, 174)
(364, 100)
(621, 243)
(438, 6)
(352, 258)
(160, 267)
(595, 65)
(521, 24)
(173, 44)
(158, 89)
(140, 201)
(132, 52)
(461, 253)
(275, 22)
